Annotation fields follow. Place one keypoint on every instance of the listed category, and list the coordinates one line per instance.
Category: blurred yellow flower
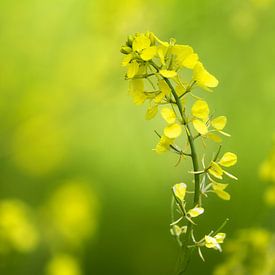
(63, 265)
(72, 210)
(39, 145)
(17, 230)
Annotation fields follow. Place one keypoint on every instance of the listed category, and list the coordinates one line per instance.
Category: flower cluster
(165, 75)
(267, 173)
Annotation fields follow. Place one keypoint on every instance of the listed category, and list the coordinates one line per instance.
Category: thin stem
(196, 201)
(186, 251)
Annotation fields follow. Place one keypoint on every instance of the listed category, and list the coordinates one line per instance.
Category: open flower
(219, 189)
(228, 159)
(214, 242)
(173, 129)
(202, 122)
(179, 191)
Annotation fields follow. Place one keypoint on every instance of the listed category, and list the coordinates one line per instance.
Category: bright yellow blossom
(179, 190)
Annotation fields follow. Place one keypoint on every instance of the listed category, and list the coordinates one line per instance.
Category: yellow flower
(63, 265)
(164, 144)
(195, 212)
(179, 190)
(164, 91)
(214, 242)
(126, 60)
(136, 90)
(141, 41)
(151, 112)
(16, 227)
(172, 131)
(177, 230)
(228, 159)
(203, 78)
(215, 170)
(269, 196)
(168, 115)
(218, 188)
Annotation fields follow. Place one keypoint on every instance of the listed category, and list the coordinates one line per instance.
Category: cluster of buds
(166, 74)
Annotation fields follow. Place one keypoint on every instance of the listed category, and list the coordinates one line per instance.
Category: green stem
(186, 252)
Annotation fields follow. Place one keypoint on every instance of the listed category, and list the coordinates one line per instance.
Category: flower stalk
(160, 65)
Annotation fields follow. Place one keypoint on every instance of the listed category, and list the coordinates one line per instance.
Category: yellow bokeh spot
(72, 210)
(38, 145)
(63, 265)
(17, 231)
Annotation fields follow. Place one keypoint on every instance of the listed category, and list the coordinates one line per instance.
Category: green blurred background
(78, 176)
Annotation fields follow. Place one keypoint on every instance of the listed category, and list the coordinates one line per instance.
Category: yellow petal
(151, 112)
(177, 230)
(214, 137)
(136, 90)
(164, 144)
(184, 56)
(179, 190)
(168, 73)
(228, 159)
(219, 186)
(219, 122)
(148, 53)
(200, 126)
(220, 237)
(161, 51)
(190, 61)
(133, 68)
(168, 115)
(200, 109)
(196, 211)
(126, 60)
(141, 42)
(159, 97)
(173, 130)
(210, 242)
(215, 170)
(163, 86)
(203, 78)
(223, 194)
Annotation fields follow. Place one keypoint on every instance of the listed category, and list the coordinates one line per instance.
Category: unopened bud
(125, 49)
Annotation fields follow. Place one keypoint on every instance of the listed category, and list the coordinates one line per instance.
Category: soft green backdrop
(66, 116)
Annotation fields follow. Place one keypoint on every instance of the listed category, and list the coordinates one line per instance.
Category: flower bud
(125, 50)
(130, 40)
